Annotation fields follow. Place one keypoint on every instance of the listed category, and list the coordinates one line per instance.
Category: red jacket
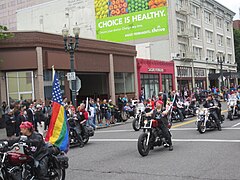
(82, 115)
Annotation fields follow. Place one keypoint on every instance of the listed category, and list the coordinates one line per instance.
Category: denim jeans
(90, 122)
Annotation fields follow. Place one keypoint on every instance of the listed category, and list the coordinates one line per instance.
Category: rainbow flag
(58, 130)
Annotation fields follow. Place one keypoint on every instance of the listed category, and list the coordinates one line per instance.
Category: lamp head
(76, 30)
(65, 31)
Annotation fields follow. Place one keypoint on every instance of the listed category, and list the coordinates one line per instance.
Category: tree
(3, 33)
(237, 47)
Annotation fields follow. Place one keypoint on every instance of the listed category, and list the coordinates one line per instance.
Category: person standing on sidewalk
(10, 124)
(5, 111)
(105, 112)
(91, 112)
(111, 111)
(98, 112)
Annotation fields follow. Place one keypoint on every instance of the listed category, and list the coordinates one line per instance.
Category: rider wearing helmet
(161, 116)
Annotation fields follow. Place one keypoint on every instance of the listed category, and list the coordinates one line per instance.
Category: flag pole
(53, 73)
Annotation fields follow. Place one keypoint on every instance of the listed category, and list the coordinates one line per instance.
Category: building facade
(105, 69)
(236, 24)
(8, 10)
(203, 34)
(154, 77)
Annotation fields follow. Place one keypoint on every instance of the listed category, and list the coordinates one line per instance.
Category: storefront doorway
(150, 85)
(94, 85)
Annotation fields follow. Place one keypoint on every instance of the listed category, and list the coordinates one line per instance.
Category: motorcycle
(139, 117)
(152, 136)
(205, 120)
(191, 107)
(128, 111)
(17, 165)
(73, 136)
(175, 113)
(232, 108)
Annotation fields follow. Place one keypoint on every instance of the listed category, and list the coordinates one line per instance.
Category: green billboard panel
(128, 20)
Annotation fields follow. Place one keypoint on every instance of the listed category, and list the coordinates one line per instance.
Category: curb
(113, 125)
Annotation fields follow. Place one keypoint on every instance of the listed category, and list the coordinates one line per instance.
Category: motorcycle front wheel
(201, 128)
(135, 124)
(59, 174)
(85, 140)
(124, 116)
(230, 115)
(143, 148)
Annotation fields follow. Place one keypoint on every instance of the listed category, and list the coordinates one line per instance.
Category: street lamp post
(220, 61)
(70, 47)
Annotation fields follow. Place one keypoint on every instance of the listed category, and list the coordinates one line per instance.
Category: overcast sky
(233, 5)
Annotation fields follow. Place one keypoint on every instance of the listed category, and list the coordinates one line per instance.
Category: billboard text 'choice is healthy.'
(126, 20)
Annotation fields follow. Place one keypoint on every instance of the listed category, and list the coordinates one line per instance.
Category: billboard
(128, 20)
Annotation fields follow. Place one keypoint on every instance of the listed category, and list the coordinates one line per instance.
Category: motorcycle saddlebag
(90, 131)
(63, 161)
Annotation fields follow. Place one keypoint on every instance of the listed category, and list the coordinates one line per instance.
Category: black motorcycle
(191, 108)
(16, 164)
(137, 123)
(140, 116)
(176, 113)
(73, 136)
(152, 136)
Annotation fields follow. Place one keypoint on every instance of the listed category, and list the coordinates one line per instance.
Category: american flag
(58, 130)
(56, 91)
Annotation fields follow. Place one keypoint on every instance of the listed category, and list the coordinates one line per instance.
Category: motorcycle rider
(238, 97)
(37, 148)
(82, 117)
(161, 116)
(215, 112)
(177, 103)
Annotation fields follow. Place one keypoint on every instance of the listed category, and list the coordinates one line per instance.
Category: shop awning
(230, 75)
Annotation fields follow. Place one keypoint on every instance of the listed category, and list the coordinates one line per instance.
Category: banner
(128, 20)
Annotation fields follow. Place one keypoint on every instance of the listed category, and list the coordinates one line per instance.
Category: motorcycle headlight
(197, 111)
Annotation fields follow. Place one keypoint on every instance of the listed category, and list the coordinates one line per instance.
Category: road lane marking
(207, 140)
(191, 121)
(174, 140)
(175, 129)
(114, 140)
(184, 123)
(236, 125)
(114, 131)
(190, 129)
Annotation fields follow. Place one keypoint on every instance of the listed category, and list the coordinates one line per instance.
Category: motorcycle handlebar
(213, 107)
(4, 146)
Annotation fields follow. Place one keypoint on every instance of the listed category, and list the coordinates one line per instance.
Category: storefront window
(150, 85)
(124, 82)
(167, 82)
(20, 85)
(47, 76)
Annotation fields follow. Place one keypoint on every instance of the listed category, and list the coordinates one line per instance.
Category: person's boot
(81, 145)
(170, 148)
(81, 141)
(219, 127)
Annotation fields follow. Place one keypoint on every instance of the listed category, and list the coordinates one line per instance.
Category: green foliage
(3, 33)
(237, 47)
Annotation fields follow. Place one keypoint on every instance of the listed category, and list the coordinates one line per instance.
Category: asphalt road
(112, 155)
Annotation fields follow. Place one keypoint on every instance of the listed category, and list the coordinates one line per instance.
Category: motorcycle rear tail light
(154, 123)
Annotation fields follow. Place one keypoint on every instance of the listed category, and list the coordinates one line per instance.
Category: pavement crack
(148, 174)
